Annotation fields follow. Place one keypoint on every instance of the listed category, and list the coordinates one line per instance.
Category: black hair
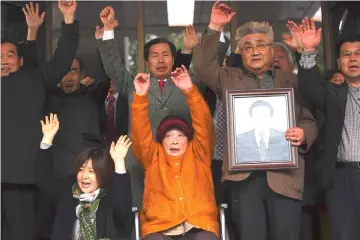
(261, 103)
(152, 42)
(18, 46)
(102, 164)
(344, 39)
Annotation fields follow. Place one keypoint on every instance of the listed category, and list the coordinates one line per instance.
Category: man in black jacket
(340, 105)
(23, 96)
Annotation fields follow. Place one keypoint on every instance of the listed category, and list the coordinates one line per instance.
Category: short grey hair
(285, 49)
(254, 27)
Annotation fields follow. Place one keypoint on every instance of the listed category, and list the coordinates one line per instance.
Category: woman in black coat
(96, 202)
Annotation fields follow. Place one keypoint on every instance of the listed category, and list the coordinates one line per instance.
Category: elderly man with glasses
(263, 202)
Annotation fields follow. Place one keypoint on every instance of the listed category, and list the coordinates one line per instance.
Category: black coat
(330, 99)
(23, 97)
(78, 114)
(113, 217)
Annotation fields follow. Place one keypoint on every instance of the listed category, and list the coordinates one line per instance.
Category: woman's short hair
(102, 164)
(254, 27)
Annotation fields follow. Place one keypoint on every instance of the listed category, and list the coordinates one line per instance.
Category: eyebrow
(12, 51)
(258, 40)
(166, 51)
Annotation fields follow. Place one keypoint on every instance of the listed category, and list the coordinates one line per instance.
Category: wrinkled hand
(88, 81)
(142, 83)
(310, 36)
(99, 32)
(67, 7)
(119, 149)
(220, 15)
(182, 79)
(295, 135)
(293, 41)
(49, 128)
(190, 39)
(107, 16)
(33, 19)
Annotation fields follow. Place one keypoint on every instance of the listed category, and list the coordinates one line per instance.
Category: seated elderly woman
(96, 202)
(179, 201)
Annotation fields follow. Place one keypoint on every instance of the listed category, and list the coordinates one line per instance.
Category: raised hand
(310, 36)
(68, 8)
(88, 81)
(182, 79)
(119, 150)
(33, 19)
(190, 39)
(99, 32)
(142, 83)
(293, 41)
(107, 16)
(49, 128)
(220, 16)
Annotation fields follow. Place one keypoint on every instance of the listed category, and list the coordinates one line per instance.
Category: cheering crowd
(79, 153)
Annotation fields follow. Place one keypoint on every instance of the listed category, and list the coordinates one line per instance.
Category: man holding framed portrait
(264, 202)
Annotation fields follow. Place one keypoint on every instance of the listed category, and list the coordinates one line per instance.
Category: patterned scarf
(86, 210)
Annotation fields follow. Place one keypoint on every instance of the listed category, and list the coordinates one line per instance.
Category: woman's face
(86, 178)
(175, 143)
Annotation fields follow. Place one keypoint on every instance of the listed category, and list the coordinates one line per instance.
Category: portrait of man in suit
(262, 143)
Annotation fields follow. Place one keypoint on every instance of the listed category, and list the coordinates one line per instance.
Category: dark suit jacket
(330, 99)
(285, 182)
(23, 97)
(247, 148)
(121, 118)
(113, 217)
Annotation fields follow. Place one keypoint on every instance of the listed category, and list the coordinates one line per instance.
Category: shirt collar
(270, 72)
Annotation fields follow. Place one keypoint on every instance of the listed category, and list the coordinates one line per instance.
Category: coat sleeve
(114, 67)
(206, 63)
(204, 135)
(30, 54)
(305, 121)
(182, 59)
(65, 52)
(44, 174)
(121, 200)
(143, 144)
(312, 85)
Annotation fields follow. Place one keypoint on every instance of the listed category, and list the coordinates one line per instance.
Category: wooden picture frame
(256, 125)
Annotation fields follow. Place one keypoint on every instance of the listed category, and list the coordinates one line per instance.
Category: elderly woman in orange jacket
(179, 200)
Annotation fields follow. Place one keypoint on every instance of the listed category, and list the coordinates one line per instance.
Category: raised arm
(44, 170)
(204, 135)
(305, 39)
(141, 135)
(184, 56)
(66, 48)
(120, 191)
(33, 21)
(110, 55)
(206, 64)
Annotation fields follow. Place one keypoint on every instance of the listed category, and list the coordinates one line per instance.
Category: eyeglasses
(260, 47)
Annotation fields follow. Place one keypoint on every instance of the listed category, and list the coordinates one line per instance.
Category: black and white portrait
(260, 125)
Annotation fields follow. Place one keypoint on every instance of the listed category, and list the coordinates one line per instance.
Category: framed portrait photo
(257, 122)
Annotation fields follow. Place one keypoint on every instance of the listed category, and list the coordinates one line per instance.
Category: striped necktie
(262, 146)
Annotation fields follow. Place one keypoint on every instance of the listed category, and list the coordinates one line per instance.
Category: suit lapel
(168, 89)
(155, 89)
(342, 92)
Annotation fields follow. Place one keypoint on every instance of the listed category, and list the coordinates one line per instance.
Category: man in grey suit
(164, 98)
(262, 143)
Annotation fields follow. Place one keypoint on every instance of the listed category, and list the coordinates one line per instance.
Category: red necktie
(161, 85)
(110, 122)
